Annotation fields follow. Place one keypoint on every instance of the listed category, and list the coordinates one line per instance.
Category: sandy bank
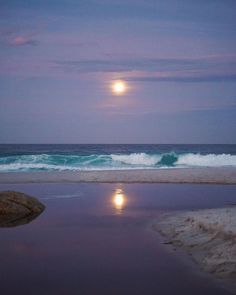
(208, 235)
(225, 175)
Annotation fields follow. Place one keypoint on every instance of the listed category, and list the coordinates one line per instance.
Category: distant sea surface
(53, 157)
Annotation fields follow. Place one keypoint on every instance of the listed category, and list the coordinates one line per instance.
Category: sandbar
(222, 175)
(208, 235)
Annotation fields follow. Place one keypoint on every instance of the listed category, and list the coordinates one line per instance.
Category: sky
(58, 60)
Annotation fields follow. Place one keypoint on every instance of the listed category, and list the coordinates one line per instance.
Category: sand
(208, 235)
(222, 175)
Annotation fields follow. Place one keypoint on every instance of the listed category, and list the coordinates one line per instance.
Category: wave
(210, 160)
(137, 159)
(47, 162)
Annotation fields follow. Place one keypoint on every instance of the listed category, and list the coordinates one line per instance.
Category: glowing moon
(119, 87)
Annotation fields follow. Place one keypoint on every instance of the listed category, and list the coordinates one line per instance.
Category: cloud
(204, 69)
(22, 40)
(191, 78)
(123, 65)
(12, 37)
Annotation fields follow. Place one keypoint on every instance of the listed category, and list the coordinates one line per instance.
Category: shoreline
(222, 175)
(208, 236)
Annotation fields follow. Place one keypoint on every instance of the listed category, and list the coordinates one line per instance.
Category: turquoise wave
(48, 162)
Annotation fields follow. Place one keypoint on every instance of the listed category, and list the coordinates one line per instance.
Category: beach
(118, 147)
(85, 242)
(208, 235)
(111, 217)
(220, 175)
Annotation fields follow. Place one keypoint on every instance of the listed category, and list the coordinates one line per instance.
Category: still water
(97, 239)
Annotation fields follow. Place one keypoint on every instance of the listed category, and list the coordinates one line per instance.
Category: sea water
(62, 157)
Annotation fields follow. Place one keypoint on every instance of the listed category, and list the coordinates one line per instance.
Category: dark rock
(18, 208)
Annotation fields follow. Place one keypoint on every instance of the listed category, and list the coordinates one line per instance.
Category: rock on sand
(18, 208)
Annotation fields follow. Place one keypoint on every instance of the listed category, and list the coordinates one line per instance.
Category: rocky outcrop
(18, 208)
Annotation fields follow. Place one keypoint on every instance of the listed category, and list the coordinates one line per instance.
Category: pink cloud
(22, 40)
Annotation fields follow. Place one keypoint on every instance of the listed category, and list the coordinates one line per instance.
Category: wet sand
(208, 235)
(222, 175)
(84, 243)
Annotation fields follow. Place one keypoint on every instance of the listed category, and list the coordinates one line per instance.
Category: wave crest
(137, 159)
(209, 160)
(46, 162)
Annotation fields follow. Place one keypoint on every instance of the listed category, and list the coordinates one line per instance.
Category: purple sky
(59, 58)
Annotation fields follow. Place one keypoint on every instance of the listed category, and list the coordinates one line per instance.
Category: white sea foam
(46, 162)
(137, 159)
(210, 160)
(66, 196)
(18, 167)
(33, 166)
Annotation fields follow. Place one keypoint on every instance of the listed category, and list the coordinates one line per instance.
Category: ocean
(73, 157)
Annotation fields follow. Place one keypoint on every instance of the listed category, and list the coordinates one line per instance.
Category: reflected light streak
(119, 199)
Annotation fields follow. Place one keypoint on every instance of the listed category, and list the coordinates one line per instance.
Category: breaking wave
(48, 162)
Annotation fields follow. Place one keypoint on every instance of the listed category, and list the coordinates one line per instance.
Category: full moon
(119, 87)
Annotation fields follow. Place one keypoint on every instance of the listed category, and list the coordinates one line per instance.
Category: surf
(59, 162)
